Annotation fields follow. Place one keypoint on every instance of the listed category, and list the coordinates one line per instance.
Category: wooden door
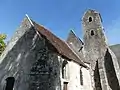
(65, 87)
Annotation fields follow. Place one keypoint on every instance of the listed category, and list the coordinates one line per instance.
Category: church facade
(36, 59)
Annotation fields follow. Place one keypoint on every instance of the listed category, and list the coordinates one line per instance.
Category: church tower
(95, 48)
(94, 39)
(104, 68)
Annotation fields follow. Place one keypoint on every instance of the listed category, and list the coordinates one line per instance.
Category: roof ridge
(29, 19)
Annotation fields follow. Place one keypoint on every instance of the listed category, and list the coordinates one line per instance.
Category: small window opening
(92, 32)
(9, 83)
(64, 72)
(81, 77)
(90, 19)
(80, 49)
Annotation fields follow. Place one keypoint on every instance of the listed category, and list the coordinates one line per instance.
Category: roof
(76, 44)
(61, 46)
(72, 37)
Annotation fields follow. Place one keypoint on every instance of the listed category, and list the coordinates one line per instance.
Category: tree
(2, 43)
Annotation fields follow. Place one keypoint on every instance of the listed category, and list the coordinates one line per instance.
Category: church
(36, 59)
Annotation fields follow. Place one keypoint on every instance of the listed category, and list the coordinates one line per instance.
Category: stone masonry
(104, 66)
(36, 59)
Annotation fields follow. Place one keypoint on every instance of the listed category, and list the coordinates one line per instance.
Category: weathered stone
(96, 49)
(35, 59)
(76, 44)
(30, 62)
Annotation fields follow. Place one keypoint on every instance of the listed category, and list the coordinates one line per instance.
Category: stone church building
(36, 59)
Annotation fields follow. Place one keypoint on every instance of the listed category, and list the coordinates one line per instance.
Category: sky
(60, 16)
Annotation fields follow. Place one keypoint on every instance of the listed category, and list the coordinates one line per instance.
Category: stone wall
(29, 60)
(95, 47)
(79, 77)
(105, 71)
(86, 79)
(74, 74)
(113, 79)
(76, 44)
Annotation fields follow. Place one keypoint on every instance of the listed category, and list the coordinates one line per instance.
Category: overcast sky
(60, 15)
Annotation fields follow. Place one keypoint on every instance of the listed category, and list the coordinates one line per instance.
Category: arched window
(90, 19)
(9, 83)
(92, 32)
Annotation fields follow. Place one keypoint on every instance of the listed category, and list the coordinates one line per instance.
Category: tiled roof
(62, 48)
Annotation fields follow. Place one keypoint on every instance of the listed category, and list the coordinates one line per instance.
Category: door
(65, 87)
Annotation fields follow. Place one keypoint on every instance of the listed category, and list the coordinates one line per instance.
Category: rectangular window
(81, 77)
(64, 70)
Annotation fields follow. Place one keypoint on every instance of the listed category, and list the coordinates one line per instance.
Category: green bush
(2, 43)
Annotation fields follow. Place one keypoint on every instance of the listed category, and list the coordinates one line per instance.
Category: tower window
(90, 19)
(9, 83)
(92, 32)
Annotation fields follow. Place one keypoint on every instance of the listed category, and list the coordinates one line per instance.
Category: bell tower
(95, 47)
(94, 38)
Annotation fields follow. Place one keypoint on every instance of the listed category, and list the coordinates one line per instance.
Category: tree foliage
(2, 43)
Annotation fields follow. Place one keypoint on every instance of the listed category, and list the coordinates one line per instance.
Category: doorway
(65, 86)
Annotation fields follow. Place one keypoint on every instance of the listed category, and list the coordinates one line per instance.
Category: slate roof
(61, 46)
